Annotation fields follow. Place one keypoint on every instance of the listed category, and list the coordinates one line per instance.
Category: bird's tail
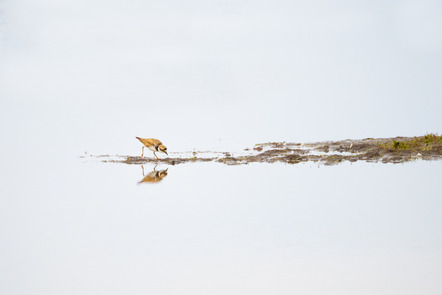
(140, 139)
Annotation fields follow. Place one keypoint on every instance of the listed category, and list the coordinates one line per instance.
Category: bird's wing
(152, 177)
(149, 141)
(155, 142)
(143, 140)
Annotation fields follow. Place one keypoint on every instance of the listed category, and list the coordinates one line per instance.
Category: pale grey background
(217, 74)
(80, 76)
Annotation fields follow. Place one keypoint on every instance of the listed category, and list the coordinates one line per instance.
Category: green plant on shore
(431, 138)
(400, 145)
(423, 143)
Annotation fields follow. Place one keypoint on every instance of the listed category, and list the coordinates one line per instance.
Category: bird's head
(163, 173)
(163, 149)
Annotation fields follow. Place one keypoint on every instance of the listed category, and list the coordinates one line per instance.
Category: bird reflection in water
(154, 176)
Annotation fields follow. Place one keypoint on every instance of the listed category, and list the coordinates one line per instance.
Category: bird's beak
(166, 153)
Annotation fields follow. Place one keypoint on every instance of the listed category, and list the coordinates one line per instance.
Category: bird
(153, 144)
(154, 176)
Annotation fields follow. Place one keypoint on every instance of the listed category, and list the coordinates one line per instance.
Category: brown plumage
(154, 176)
(153, 144)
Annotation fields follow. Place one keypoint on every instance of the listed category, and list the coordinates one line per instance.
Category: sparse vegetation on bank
(422, 143)
(385, 150)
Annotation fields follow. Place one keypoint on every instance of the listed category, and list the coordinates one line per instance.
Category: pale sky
(219, 73)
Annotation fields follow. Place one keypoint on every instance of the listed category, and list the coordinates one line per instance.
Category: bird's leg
(156, 155)
(142, 151)
(142, 167)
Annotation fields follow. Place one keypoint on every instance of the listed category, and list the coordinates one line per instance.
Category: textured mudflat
(385, 150)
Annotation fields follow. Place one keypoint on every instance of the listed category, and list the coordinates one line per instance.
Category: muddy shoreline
(383, 150)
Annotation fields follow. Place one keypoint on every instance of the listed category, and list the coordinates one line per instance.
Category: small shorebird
(154, 176)
(154, 145)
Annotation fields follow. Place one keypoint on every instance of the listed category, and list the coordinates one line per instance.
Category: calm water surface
(216, 75)
(85, 227)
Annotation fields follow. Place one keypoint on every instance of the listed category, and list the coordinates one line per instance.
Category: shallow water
(86, 227)
(85, 79)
